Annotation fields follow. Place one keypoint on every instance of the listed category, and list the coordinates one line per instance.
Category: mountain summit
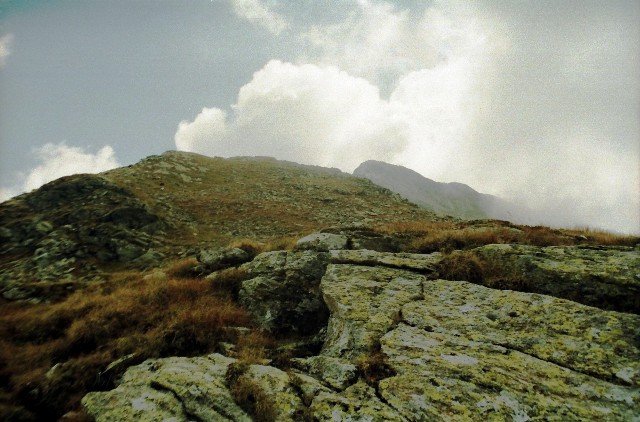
(455, 199)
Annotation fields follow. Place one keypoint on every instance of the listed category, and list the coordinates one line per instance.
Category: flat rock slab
(606, 277)
(467, 352)
(409, 261)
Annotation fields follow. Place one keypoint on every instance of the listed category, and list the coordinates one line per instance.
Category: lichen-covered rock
(217, 258)
(336, 372)
(177, 389)
(449, 377)
(399, 347)
(323, 242)
(273, 387)
(284, 293)
(364, 302)
(575, 336)
(606, 277)
(357, 403)
(409, 261)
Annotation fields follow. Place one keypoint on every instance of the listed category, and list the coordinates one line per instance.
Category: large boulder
(283, 294)
(217, 258)
(177, 389)
(606, 277)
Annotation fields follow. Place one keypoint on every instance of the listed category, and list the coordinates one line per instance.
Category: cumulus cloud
(307, 113)
(258, 13)
(5, 48)
(58, 160)
(535, 102)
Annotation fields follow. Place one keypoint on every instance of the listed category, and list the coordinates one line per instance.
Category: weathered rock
(606, 277)
(336, 372)
(323, 242)
(364, 302)
(357, 403)
(284, 295)
(363, 237)
(444, 350)
(578, 337)
(274, 385)
(217, 258)
(448, 377)
(417, 262)
(177, 389)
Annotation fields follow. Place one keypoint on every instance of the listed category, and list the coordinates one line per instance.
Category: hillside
(192, 288)
(455, 199)
(149, 213)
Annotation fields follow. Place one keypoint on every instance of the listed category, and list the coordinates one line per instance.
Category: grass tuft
(83, 334)
(461, 265)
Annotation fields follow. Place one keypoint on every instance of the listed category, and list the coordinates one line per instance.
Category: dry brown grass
(446, 236)
(183, 268)
(151, 317)
(601, 237)
(461, 265)
(254, 347)
(253, 399)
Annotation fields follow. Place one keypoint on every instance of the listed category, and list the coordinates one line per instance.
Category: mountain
(455, 199)
(186, 287)
(160, 208)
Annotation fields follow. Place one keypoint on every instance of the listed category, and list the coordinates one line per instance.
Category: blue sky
(537, 102)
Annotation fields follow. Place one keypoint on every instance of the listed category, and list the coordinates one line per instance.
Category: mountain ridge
(454, 198)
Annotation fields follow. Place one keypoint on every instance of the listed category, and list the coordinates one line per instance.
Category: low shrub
(228, 281)
(184, 268)
(253, 400)
(461, 265)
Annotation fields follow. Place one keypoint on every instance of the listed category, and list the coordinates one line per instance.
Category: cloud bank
(537, 103)
(256, 12)
(5, 48)
(58, 160)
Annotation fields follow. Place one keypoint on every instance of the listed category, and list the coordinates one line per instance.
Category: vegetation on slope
(61, 344)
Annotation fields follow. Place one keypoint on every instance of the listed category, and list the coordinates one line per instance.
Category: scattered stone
(218, 258)
(323, 242)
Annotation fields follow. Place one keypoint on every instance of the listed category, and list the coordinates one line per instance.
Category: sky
(537, 102)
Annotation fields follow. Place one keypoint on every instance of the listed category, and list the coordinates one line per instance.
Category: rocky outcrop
(217, 258)
(401, 345)
(89, 222)
(606, 277)
(179, 389)
(283, 293)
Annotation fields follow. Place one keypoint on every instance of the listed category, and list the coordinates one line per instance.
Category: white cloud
(481, 93)
(305, 113)
(258, 13)
(378, 42)
(58, 160)
(5, 48)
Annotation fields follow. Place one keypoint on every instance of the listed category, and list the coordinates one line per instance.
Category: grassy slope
(218, 200)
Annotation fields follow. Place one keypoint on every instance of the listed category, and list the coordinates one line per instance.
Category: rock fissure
(161, 387)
